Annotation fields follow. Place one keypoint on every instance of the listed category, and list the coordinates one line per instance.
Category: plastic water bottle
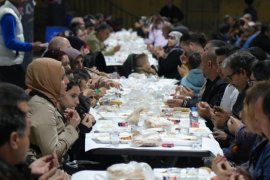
(194, 118)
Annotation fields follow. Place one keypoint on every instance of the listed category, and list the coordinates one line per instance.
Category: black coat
(168, 66)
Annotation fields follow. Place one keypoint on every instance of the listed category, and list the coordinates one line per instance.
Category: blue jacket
(193, 80)
(8, 26)
(259, 163)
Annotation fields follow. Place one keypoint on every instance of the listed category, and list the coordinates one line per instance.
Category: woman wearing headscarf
(168, 57)
(46, 80)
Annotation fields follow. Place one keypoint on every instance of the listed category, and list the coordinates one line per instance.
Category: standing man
(12, 45)
(172, 12)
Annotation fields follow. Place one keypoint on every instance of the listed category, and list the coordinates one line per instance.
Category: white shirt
(229, 98)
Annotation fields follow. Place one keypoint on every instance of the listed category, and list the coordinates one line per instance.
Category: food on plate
(174, 120)
(188, 137)
(116, 102)
(105, 127)
(181, 109)
(134, 117)
(157, 123)
(205, 170)
(200, 131)
(125, 137)
(146, 139)
(132, 170)
(102, 137)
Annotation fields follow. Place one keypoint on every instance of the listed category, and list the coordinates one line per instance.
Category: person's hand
(41, 165)
(160, 53)
(217, 160)
(44, 164)
(187, 92)
(236, 176)
(88, 92)
(174, 102)
(151, 48)
(38, 46)
(233, 124)
(222, 167)
(115, 84)
(219, 117)
(88, 120)
(182, 70)
(55, 174)
(72, 117)
(116, 48)
(220, 135)
(204, 110)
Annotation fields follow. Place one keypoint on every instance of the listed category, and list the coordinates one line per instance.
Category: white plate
(200, 131)
(180, 140)
(113, 115)
(104, 138)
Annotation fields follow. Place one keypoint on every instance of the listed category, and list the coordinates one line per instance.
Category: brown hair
(259, 90)
(140, 59)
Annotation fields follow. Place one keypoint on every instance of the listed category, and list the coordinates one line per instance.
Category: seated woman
(47, 82)
(194, 80)
(168, 57)
(138, 63)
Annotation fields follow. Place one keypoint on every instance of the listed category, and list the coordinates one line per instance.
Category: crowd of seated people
(226, 78)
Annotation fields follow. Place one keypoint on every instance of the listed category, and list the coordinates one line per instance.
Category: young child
(142, 65)
(194, 79)
(138, 63)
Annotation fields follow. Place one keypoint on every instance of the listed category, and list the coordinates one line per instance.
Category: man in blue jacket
(12, 45)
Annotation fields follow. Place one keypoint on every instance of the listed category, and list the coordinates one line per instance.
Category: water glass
(174, 173)
(184, 130)
(114, 137)
(197, 144)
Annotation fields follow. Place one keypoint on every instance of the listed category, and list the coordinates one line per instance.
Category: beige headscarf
(45, 75)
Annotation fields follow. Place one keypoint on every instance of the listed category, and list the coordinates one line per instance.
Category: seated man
(15, 130)
(214, 87)
(256, 113)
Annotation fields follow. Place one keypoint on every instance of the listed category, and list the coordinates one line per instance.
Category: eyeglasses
(230, 76)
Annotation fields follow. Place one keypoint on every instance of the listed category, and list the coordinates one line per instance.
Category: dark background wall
(200, 15)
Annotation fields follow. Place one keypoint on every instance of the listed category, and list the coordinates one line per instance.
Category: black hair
(8, 172)
(216, 43)
(102, 27)
(54, 54)
(195, 38)
(213, 45)
(89, 20)
(265, 27)
(240, 60)
(194, 60)
(226, 50)
(259, 53)
(75, 27)
(73, 82)
(11, 120)
(81, 74)
(76, 43)
(261, 70)
(11, 94)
